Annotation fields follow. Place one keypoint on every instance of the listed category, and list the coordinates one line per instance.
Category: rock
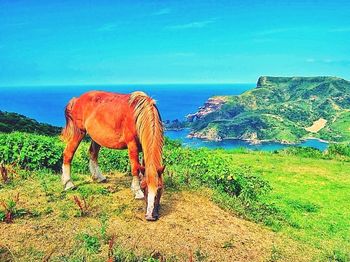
(211, 105)
(206, 134)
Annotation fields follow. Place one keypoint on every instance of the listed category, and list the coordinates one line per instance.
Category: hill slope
(10, 122)
(283, 109)
(190, 223)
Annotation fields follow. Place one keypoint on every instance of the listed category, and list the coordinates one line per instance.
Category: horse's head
(152, 187)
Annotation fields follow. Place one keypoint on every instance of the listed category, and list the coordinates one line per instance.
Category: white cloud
(310, 60)
(163, 11)
(273, 31)
(329, 61)
(108, 27)
(195, 24)
(277, 31)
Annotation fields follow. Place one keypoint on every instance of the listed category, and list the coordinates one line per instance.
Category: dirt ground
(189, 224)
(317, 125)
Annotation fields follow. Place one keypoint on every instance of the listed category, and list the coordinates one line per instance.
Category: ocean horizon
(46, 104)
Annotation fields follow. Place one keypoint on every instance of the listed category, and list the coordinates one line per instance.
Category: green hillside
(283, 109)
(10, 122)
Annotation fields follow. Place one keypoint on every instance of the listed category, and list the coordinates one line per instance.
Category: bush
(190, 167)
(302, 152)
(35, 152)
(339, 150)
(197, 167)
(31, 151)
(334, 151)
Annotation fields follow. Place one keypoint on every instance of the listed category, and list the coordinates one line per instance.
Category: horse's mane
(149, 128)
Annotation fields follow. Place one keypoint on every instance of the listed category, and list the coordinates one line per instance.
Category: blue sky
(129, 42)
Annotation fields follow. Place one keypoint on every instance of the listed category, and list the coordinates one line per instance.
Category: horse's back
(107, 117)
(91, 101)
(98, 97)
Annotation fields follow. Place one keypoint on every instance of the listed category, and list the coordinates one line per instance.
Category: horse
(118, 121)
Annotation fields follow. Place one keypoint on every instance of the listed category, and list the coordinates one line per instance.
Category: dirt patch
(317, 125)
(189, 223)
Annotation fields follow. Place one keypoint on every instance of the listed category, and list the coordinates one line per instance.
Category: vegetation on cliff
(10, 122)
(283, 109)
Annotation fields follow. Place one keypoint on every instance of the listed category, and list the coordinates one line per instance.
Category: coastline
(229, 143)
(318, 139)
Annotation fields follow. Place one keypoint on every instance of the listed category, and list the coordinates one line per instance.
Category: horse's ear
(142, 170)
(161, 170)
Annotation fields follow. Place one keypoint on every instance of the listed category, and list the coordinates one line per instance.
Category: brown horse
(118, 121)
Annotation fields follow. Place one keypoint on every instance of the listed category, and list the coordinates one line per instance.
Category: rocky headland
(280, 109)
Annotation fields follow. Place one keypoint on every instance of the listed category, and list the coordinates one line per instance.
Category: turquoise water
(175, 101)
(232, 144)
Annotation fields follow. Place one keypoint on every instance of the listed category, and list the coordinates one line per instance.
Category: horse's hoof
(151, 218)
(100, 179)
(69, 186)
(139, 195)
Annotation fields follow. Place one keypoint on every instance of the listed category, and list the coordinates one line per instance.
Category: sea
(46, 104)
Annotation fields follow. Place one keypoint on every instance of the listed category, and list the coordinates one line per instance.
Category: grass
(313, 195)
(311, 222)
(61, 230)
(190, 225)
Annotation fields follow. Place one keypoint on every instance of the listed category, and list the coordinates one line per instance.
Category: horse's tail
(70, 129)
(148, 125)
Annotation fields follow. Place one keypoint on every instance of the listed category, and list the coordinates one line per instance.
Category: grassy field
(314, 196)
(48, 224)
(218, 206)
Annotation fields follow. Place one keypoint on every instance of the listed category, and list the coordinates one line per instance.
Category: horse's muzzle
(153, 215)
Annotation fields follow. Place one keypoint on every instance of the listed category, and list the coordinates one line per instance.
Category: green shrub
(31, 151)
(301, 151)
(214, 169)
(189, 167)
(339, 150)
(334, 151)
(194, 167)
(35, 152)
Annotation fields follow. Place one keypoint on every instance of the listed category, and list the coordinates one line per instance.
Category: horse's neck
(152, 148)
(153, 158)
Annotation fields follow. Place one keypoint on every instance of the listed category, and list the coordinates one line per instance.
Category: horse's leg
(68, 154)
(135, 169)
(93, 165)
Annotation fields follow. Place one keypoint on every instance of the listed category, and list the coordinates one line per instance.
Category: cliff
(211, 105)
(281, 109)
(10, 122)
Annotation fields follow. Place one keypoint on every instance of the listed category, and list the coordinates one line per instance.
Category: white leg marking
(135, 188)
(66, 180)
(150, 203)
(95, 171)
